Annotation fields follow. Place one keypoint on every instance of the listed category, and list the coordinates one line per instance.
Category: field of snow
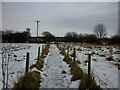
(17, 60)
(55, 72)
(105, 72)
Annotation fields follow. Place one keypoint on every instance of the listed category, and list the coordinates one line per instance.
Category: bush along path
(32, 79)
(55, 71)
(86, 81)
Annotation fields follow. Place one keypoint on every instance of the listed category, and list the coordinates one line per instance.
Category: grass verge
(29, 80)
(76, 71)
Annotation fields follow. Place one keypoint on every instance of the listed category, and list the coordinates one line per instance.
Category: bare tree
(71, 35)
(6, 52)
(100, 31)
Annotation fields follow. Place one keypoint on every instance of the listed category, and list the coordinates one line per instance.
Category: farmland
(58, 69)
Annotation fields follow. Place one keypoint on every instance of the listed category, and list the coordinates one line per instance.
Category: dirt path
(52, 76)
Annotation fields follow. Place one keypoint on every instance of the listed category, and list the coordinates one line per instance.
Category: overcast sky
(60, 17)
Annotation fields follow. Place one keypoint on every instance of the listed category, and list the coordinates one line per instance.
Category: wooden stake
(89, 63)
(38, 53)
(74, 54)
(27, 63)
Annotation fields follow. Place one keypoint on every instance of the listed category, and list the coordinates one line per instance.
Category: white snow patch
(52, 76)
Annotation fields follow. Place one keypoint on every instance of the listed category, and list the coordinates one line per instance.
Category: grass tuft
(88, 83)
(67, 59)
(29, 80)
(110, 58)
(38, 65)
(76, 71)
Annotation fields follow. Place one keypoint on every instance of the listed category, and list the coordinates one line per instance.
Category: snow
(105, 73)
(75, 84)
(0, 70)
(17, 64)
(52, 76)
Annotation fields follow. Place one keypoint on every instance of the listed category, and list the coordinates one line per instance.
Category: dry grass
(88, 83)
(77, 61)
(101, 55)
(73, 55)
(79, 49)
(110, 58)
(117, 52)
(29, 80)
(76, 71)
(94, 59)
(38, 65)
(40, 62)
(67, 59)
(32, 79)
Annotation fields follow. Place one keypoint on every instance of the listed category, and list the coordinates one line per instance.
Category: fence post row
(27, 62)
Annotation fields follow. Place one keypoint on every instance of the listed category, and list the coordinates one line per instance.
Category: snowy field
(17, 60)
(52, 75)
(104, 71)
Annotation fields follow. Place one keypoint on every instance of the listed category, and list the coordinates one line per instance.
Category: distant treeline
(91, 38)
(16, 37)
(25, 36)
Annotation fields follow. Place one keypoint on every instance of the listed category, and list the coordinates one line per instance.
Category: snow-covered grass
(75, 70)
(56, 72)
(52, 76)
(103, 67)
(18, 59)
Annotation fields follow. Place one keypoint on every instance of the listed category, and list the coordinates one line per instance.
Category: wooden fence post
(27, 62)
(89, 63)
(74, 54)
(38, 53)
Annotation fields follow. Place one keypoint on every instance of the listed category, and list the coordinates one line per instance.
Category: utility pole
(37, 27)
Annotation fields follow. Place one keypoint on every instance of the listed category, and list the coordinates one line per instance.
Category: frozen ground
(52, 76)
(18, 60)
(104, 71)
